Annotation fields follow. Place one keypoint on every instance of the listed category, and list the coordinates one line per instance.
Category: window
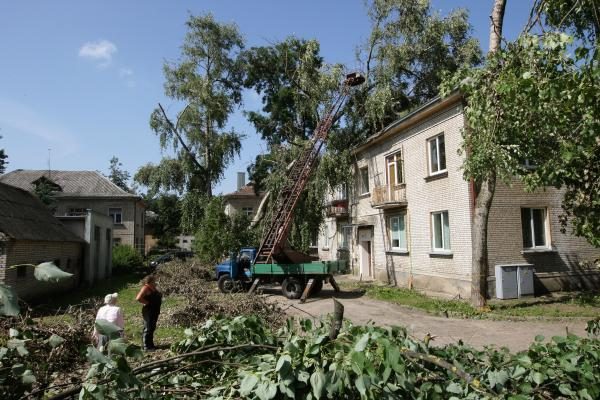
(345, 237)
(116, 214)
(437, 154)
(247, 211)
(116, 241)
(363, 183)
(529, 164)
(22, 271)
(440, 237)
(533, 224)
(394, 169)
(184, 241)
(397, 226)
(325, 236)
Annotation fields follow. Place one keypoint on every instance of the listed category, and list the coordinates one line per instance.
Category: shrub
(125, 257)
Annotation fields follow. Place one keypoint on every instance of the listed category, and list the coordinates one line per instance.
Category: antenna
(49, 169)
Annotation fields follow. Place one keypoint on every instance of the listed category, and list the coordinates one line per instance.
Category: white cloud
(125, 72)
(101, 50)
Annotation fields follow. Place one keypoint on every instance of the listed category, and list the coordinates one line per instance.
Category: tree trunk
(485, 191)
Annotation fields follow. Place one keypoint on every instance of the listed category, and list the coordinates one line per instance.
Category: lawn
(127, 286)
(564, 305)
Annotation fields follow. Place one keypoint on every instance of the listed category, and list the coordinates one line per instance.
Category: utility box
(514, 281)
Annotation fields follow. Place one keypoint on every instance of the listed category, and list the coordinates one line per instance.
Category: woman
(151, 298)
(112, 313)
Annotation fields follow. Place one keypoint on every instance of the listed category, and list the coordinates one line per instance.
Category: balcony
(337, 209)
(386, 197)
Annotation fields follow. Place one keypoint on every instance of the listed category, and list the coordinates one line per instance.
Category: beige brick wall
(568, 254)
(69, 255)
(130, 232)
(234, 205)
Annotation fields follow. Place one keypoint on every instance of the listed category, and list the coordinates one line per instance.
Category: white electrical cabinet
(514, 280)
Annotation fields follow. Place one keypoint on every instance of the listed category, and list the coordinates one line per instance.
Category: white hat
(110, 298)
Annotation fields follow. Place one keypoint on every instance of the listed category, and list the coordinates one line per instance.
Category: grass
(127, 286)
(582, 305)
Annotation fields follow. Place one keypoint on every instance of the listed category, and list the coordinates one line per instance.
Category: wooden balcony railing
(388, 196)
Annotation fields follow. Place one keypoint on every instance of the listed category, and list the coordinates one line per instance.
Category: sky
(79, 79)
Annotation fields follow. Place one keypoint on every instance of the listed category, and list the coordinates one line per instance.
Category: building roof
(412, 118)
(71, 183)
(24, 217)
(244, 192)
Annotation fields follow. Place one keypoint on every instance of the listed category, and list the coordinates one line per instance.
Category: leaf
(497, 378)
(565, 389)
(118, 346)
(48, 272)
(538, 378)
(9, 304)
(361, 384)
(248, 383)
(539, 338)
(266, 390)
(317, 381)
(455, 388)
(303, 376)
(55, 340)
(28, 378)
(94, 356)
(107, 328)
(284, 365)
(361, 345)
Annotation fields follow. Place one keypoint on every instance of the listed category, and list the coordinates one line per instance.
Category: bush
(125, 258)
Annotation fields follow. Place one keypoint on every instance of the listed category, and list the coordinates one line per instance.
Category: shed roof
(71, 183)
(24, 217)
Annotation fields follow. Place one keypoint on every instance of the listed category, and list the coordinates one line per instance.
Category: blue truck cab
(237, 266)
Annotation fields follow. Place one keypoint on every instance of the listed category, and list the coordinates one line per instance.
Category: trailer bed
(312, 268)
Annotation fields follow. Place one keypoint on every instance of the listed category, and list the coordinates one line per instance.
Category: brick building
(29, 234)
(76, 192)
(408, 218)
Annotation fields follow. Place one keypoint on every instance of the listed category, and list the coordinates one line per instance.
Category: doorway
(365, 238)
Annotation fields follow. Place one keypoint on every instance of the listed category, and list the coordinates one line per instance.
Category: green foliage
(219, 234)
(535, 101)
(208, 79)
(117, 175)
(45, 190)
(243, 358)
(125, 258)
(410, 48)
(165, 219)
(3, 162)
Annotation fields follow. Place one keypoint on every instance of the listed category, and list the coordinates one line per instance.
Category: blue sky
(82, 77)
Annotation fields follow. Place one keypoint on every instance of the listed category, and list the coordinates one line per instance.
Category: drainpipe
(410, 255)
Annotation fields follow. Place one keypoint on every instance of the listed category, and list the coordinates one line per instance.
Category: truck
(274, 261)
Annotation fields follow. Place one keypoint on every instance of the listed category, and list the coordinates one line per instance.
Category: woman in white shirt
(112, 313)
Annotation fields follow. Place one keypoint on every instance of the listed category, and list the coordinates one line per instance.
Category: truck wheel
(226, 284)
(292, 288)
(316, 287)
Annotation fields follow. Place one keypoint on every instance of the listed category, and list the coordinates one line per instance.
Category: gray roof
(24, 217)
(72, 183)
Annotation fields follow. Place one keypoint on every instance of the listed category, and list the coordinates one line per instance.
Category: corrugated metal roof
(72, 183)
(24, 217)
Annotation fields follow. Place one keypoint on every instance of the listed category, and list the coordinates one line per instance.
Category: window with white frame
(363, 180)
(437, 154)
(394, 169)
(345, 238)
(116, 214)
(534, 227)
(247, 211)
(440, 231)
(325, 236)
(397, 232)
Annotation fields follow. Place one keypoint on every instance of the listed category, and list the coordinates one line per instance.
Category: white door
(364, 240)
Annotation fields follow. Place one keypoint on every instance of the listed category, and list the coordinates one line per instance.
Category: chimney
(241, 180)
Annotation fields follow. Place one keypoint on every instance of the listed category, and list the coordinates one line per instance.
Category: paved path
(516, 335)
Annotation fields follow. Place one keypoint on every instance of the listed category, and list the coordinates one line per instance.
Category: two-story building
(408, 219)
(76, 192)
(244, 200)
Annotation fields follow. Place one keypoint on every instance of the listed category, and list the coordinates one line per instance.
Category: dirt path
(516, 335)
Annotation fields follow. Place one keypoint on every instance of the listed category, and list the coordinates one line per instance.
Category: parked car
(170, 256)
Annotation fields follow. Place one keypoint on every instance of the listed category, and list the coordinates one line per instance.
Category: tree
(410, 50)
(531, 100)
(208, 79)
(3, 161)
(220, 233)
(165, 222)
(117, 174)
